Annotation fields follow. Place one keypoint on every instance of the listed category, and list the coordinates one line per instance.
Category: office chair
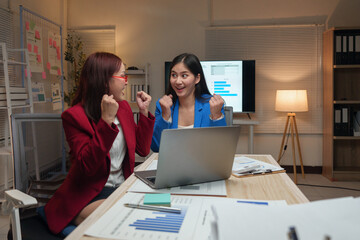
(39, 169)
(228, 115)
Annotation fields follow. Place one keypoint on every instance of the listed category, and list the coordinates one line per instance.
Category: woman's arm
(88, 146)
(221, 122)
(160, 125)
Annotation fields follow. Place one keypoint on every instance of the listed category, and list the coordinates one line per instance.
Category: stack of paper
(243, 166)
(336, 218)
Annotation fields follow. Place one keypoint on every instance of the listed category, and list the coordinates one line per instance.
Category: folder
(343, 122)
(338, 48)
(357, 48)
(337, 121)
(351, 52)
(344, 49)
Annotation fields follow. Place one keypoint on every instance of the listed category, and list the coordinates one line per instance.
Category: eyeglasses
(125, 78)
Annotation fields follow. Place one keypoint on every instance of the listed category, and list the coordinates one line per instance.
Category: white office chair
(39, 169)
(15, 199)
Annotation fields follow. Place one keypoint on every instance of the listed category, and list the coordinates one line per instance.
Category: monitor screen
(233, 80)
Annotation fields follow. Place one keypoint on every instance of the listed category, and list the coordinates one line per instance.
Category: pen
(154, 208)
(292, 234)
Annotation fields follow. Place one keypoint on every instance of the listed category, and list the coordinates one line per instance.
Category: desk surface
(262, 187)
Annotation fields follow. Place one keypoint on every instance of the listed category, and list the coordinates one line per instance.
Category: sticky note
(59, 72)
(27, 24)
(50, 41)
(36, 50)
(159, 199)
(26, 73)
(37, 35)
(43, 75)
(38, 58)
(48, 65)
(29, 47)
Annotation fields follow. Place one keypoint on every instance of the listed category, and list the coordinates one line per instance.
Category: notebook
(194, 155)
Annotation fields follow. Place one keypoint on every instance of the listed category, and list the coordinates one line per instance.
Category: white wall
(147, 31)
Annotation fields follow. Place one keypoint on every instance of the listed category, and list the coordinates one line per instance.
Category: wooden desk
(262, 187)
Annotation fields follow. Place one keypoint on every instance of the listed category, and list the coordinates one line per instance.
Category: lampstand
(291, 101)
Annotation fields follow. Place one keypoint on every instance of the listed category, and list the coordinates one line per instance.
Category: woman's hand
(109, 108)
(216, 102)
(143, 101)
(165, 103)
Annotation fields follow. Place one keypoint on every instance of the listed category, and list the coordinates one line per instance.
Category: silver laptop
(195, 155)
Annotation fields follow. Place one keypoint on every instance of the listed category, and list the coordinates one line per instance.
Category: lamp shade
(291, 101)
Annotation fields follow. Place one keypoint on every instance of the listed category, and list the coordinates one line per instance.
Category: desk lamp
(291, 101)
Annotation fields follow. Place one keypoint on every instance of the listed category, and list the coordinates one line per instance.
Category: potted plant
(75, 57)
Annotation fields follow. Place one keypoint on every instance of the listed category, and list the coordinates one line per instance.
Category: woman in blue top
(187, 102)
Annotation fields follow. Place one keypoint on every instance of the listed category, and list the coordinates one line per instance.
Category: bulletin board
(43, 39)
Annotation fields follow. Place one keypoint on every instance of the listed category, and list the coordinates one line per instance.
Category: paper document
(337, 218)
(244, 166)
(194, 222)
(216, 188)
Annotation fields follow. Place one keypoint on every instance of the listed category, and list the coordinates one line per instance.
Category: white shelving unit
(12, 97)
(138, 80)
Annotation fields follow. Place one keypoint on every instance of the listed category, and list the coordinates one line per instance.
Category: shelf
(135, 72)
(347, 170)
(5, 150)
(16, 106)
(14, 63)
(347, 66)
(346, 137)
(347, 102)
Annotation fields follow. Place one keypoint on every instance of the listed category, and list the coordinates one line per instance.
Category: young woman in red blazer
(103, 139)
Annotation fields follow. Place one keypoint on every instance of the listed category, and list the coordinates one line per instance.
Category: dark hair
(193, 64)
(94, 82)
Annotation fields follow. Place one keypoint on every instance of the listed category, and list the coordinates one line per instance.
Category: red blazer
(90, 144)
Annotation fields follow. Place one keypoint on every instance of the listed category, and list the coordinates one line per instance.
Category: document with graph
(194, 222)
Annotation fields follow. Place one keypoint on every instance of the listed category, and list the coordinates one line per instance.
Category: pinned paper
(43, 75)
(38, 58)
(36, 49)
(48, 66)
(50, 41)
(25, 70)
(27, 25)
(37, 35)
(58, 53)
(29, 47)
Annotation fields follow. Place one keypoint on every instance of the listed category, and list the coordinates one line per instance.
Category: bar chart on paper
(162, 222)
(121, 222)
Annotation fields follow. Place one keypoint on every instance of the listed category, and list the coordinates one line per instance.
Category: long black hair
(193, 64)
